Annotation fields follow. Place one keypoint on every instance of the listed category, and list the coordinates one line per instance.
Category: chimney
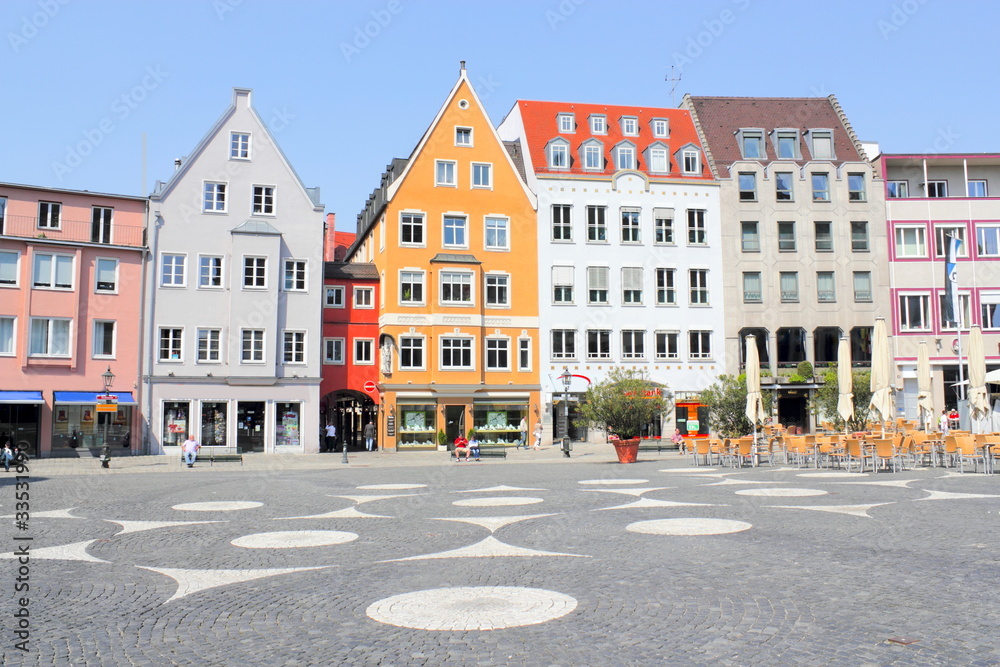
(177, 164)
(461, 66)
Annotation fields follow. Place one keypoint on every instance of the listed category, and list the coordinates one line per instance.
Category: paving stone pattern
(576, 579)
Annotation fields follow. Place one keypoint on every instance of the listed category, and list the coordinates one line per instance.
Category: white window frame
(855, 247)
(659, 160)
(594, 290)
(625, 157)
(563, 335)
(691, 161)
(445, 174)
(976, 181)
(8, 346)
(897, 189)
(452, 279)
(784, 194)
(920, 241)
(787, 243)
(666, 290)
(565, 123)
(601, 336)
(476, 172)
(826, 238)
(175, 345)
(939, 245)
(331, 348)
(697, 226)
(298, 271)
(101, 217)
(632, 275)
(237, 149)
(55, 261)
(499, 284)
(667, 336)
(558, 151)
(295, 355)
(630, 126)
(415, 221)
(207, 270)
(820, 194)
(854, 194)
(253, 262)
(16, 255)
(264, 200)
(50, 337)
(631, 226)
(498, 345)
(411, 278)
(939, 188)
(826, 296)
(597, 224)
(499, 225)
(97, 275)
(524, 356)
(364, 298)
(704, 336)
(860, 296)
(49, 215)
(592, 156)
(663, 228)
(964, 307)
(463, 228)
(418, 343)
(698, 287)
(565, 226)
(211, 352)
(215, 197)
(790, 295)
(177, 276)
(100, 324)
(747, 181)
(462, 131)
(563, 284)
(598, 124)
(331, 290)
(633, 342)
(903, 301)
(750, 296)
(749, 242)
(256, 352)
(467, 347)
(981, 234)
(660, 128)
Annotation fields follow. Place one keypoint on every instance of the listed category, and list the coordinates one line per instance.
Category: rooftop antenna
(675, 80)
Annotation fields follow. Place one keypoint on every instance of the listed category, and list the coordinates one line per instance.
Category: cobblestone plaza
(536, 560)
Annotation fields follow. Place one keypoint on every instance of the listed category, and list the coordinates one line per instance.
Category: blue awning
(21, 397)
(90, 397)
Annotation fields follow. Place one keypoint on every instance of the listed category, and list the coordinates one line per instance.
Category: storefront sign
(390, 426)
(107, 407)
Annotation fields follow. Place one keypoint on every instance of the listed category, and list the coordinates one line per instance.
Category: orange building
(451, 232)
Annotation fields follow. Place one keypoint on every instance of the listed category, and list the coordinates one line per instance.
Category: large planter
(627, 450)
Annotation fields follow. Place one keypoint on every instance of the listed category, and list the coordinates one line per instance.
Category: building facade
(71, 272)
(235, 289)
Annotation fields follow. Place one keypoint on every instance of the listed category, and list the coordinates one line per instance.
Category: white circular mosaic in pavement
(688, 526)
(218, 506)
(613, 481)
(471, 608)
(294, 539)
(496, 502)
(391, 487)
(781, 493)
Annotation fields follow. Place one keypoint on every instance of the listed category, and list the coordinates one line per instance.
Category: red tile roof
(541, 126)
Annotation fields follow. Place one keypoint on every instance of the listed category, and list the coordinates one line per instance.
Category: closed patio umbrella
(845, 381)
(755, 402)
(925, 402)
(881, 401)
(979, 404)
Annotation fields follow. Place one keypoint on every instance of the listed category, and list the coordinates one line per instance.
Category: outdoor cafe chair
(701, 447)
(967, 449)
(885, 453)
(743, 452)
(855, 450)
(950, 451)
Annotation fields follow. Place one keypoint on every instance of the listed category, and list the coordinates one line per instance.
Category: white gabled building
(630, 256)
(234, 287)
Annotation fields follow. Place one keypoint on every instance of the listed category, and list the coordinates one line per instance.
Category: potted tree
(621, 404)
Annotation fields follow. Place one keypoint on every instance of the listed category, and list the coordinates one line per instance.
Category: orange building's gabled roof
(541, 126)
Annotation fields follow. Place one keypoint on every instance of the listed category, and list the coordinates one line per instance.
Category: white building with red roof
(629, 245)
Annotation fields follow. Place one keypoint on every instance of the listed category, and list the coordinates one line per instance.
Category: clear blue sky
(915, 75)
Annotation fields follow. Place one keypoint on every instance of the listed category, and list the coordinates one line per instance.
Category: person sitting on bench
(461, 445)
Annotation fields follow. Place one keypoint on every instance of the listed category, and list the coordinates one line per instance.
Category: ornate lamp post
(109, 378)
(567, 380)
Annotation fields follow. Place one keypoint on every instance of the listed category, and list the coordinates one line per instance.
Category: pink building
(71, 272)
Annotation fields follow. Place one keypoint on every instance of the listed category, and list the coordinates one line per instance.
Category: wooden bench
(657, 446)
(499, 451)
(211, 456)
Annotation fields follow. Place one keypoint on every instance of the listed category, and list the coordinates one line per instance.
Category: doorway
(454, 423)
(250, 426)
(793, 411)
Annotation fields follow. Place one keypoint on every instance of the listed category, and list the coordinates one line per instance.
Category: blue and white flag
(950, 306)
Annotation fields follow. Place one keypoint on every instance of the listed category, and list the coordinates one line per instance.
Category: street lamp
(567, 379)
(109, 379)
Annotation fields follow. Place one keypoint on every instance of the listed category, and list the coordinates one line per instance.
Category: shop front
(20, 419)
(420, 420)
(244, 425)
(498, 423)
(77, 425)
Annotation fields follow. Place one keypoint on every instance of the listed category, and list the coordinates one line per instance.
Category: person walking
(369, 433)
(190, 449)
(944, 423)
(538, 436)
(7, 455)
(523, 428)
(331, 437)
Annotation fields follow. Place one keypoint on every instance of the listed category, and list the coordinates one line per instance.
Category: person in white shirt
(331, 437)
(944, 423)
(190, 448)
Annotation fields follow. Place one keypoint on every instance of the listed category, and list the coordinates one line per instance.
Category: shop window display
(497, 423)
(416, 426)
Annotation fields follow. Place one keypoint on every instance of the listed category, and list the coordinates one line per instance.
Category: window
(558, 155)
(630, 126)
(826, 287)
(411, 229)
(660, 127)
(863, 286)
(786, 236)
(171, 340)
(7, 335)
(987, 243)
(294, 351)
(263, 200)
(625, 157)
(456, 288)
(859, 236)
(666, 292)
(524, 354)
(821, 187)
(463, 136)
(562, 224)
(334, 297)
(482, 175)
(295, 275)
(597, 284)
(497, 234)
(789, 283)
(411, 287)
(962, 310)
(333, 350)
(562, 284)
(691, 162)
(941, 234)
(788, 144)
(824, 236)
(100, 224)
(53, 271)
(697, 231)
(976, 188)
(822, 145)
(3, 212)
(563, 344)
(456, 353)
(748, 187)
(50, 337)
(632, 285)
(897, 189)
(663, 226)
(990, 302)
(783, 186)
(700, 344)
(107, 275)
(497, 290)
(659, 162)
(666, 345)
(598, 344)
(8, 268)
(497, 354)
(752, 144)
(215, 197)
(239, 145)
(598, 125)
(252, 351)
(172, 270)
(750, 236)
(104, 338)
(633, 344)
(209, 345)
(566, 123)
(48, 214)
(630, 225)
(910, 241)
(364, 351)
(699, 286)
(856, 188)
(593, 157)
(364, 297)
(444, 173)
(937, 189)
(255, 272)
(914, 312)
(454, 231)
(752, 292)
(411, 353)
(597, 229)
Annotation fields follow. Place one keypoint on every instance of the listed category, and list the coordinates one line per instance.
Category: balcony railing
(85, 231)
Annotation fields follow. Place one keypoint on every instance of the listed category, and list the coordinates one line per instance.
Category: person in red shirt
(461, 445)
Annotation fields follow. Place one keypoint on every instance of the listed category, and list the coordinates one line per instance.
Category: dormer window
(661, 129)
(624, 156)
(598, 125)
(751, 144)
(821, 144)
(658, 158)
(691, 161)
(558, 154)
(787, 144)
(630, 126)
(566, 124)
(592, 155)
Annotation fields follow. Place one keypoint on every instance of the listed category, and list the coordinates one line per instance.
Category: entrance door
(792, 411)
(454, 420)
(250, 426)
